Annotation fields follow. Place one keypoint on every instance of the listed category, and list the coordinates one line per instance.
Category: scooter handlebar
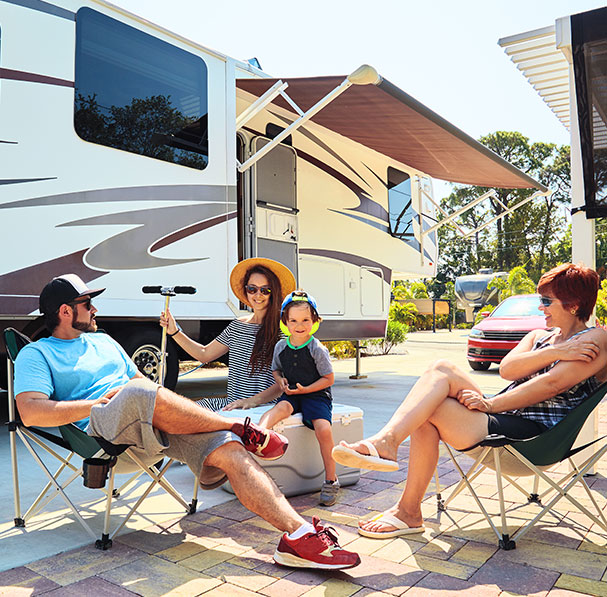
(184, 290)
(168, 290)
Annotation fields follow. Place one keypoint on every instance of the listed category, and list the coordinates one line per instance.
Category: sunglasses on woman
(546, 301)
(252, 289)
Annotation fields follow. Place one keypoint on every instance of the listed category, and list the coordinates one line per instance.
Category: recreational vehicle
(473, 293)
(132, 156)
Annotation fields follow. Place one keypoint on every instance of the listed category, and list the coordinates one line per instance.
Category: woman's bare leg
(440, 383)
(451, 422)
(423, 457)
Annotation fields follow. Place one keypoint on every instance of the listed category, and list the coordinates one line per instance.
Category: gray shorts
(127, 419)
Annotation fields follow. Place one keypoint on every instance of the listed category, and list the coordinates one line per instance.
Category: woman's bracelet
(175, 333)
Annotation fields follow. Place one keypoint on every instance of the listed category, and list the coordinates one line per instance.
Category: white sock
(305, 528)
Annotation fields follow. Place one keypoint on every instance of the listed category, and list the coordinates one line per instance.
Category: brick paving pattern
(227, 551)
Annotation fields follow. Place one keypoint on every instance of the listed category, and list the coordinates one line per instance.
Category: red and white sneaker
(315, 550)
(265, 443)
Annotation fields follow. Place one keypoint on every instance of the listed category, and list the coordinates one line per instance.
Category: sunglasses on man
(86, 302)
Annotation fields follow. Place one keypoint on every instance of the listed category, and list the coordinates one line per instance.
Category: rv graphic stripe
(45, 7)
(20, 180)
(185, 232)
(196, 193)
(19, 75)
(128, 250)
(19, 289)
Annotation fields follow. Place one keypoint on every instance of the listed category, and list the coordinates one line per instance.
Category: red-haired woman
(261, 284)
(552, 371)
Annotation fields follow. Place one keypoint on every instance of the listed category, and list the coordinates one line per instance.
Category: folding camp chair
(92, 450)
(515, 458)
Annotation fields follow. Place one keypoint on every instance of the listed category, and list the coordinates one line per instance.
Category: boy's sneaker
(315, 550)
(265, 443)
(328, 493)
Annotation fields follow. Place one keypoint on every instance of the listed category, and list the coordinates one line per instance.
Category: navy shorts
(514, 426)
(311, 407)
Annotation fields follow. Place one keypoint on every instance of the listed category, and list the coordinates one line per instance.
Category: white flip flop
(372, 461)
(400, 529)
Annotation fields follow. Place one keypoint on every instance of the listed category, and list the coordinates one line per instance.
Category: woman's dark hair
(574, 285)
(268, 333)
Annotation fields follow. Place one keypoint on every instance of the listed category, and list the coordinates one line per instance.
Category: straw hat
(283, 273)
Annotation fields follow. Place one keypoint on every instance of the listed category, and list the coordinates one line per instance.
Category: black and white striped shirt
(239, 337)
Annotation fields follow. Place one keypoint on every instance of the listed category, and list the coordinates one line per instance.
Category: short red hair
(574, 285)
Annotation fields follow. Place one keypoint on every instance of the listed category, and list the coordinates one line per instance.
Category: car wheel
(479, 365)
(143, 346)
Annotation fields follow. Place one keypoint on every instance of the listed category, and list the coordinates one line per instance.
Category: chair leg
(18, 520)
(12, 438)
(505, 542)
(472, 492)
(105, 542)
(561, 491)
(534, 496)
(440, 502)
(58, 487)
(194, 502)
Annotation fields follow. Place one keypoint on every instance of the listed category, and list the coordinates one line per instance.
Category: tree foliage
(518, 282)
(535, 235)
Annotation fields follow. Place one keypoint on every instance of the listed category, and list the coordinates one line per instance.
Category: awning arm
(509, 210)
(364, 75)
(455, 214)
(259, 104)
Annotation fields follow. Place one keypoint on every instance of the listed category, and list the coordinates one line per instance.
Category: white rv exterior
(319, 202)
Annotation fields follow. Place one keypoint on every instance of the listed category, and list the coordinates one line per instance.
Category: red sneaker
(265, 443)
(315, 550)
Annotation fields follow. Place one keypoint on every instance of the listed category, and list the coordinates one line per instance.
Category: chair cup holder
(95, 471)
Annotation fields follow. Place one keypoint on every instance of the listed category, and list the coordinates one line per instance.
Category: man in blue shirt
(76, 376)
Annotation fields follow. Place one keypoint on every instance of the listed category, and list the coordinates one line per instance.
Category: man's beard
(83, 326)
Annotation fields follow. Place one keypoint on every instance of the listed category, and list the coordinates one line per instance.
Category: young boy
(302, 368)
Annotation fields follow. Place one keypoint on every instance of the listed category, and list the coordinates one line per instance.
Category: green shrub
(341, 349)
(403, 313)
(601, 303)
(396, 332)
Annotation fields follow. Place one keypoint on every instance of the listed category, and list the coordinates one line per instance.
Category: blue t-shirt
(85, 368)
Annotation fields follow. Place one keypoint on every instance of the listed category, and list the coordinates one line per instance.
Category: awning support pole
(509, 210)
(296, 124)
(363, 75)
(260, 103)
(456, 213)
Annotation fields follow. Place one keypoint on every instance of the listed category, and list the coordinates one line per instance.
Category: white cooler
(301, 470)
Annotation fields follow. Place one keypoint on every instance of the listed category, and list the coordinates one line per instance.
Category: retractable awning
(384, 118)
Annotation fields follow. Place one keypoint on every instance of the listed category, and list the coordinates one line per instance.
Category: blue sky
(445, 54)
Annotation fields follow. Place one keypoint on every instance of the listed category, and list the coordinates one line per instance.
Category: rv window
(139, 94)
(399, 204)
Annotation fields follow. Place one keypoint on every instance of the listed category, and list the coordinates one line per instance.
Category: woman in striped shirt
(261, 284)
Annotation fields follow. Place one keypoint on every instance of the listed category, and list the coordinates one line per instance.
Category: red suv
(494, 337)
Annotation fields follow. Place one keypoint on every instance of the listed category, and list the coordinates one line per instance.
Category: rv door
(274, 203)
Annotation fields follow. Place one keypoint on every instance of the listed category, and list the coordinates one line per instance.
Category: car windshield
(518, 306)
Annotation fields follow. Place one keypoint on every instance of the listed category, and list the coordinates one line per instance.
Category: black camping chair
(515, 458)
(99, 460)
